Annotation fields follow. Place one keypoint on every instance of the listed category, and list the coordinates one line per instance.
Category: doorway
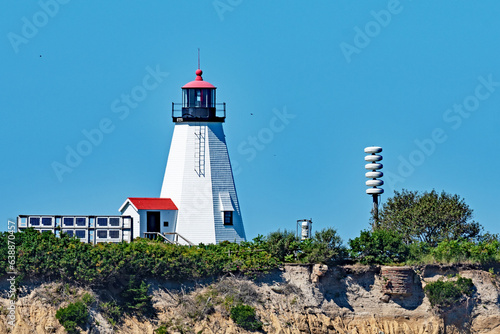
(153, 218)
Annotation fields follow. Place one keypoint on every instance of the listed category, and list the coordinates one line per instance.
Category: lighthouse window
(165, 224)
(198, 97)
(185, 98)
(228, 217)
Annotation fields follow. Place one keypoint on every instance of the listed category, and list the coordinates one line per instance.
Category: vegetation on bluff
(44, 255)
(413, 228)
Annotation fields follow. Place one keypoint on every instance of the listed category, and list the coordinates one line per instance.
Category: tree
(429, 217)
(378, 247)
(280, 244)
(326, 247)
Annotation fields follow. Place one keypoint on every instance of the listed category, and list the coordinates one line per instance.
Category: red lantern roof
(198, 82)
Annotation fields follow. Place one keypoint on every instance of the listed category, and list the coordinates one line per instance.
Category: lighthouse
(198, 177)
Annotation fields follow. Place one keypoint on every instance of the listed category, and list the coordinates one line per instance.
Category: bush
(419, 252)
(73, 315)
(244, 316)
(136, 298)
(445, 294)
(163, 329)
(88, 299)
(325, 247)
(280, 244)
(112, 312)
(453, 251)
(378, 247)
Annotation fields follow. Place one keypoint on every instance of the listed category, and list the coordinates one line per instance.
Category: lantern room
(198, 103)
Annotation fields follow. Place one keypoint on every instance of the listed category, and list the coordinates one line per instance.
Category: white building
(198, 201)
(199, 177)
(153, 215)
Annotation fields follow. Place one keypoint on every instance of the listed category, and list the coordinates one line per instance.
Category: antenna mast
(198, 57)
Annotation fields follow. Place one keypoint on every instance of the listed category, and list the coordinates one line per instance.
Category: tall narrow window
(228, 217)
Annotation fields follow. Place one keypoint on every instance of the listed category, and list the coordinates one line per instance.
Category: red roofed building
(150, 215)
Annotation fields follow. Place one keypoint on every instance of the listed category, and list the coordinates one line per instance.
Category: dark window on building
(80, 234)
(34, 221)
(102, 221)
(81, 221)
(68, 221)
(46, 221)
(114, 234)
(69, 232)
(165, 224)
(114, 221)
(228, 217)
(102, 234)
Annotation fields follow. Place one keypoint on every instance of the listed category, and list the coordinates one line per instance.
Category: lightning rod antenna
(198, 57)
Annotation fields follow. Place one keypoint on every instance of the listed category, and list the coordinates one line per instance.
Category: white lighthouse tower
(199, 177)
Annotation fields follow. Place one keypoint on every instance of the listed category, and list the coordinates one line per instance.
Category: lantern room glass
(198, 97)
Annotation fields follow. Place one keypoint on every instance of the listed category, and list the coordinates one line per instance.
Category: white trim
(225, 201)
(125, 203)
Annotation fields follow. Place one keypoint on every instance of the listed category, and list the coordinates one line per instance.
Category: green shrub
(88, 299)
(163, 329)
(280, 244)
(136, 298)
(378, 247)
(324, 247)
(454, 251)
(73, 315)
(419, 252)
(112, 311)
(244, 316)
(445, 294)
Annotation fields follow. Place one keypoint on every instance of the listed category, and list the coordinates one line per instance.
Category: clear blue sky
(421, 79)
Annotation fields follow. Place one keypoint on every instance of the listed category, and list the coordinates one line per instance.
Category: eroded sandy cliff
(350, 299)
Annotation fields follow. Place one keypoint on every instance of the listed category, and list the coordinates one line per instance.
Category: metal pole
(375, 212)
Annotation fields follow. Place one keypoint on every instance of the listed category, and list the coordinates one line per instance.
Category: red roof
(146, 203)
(198, 82)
